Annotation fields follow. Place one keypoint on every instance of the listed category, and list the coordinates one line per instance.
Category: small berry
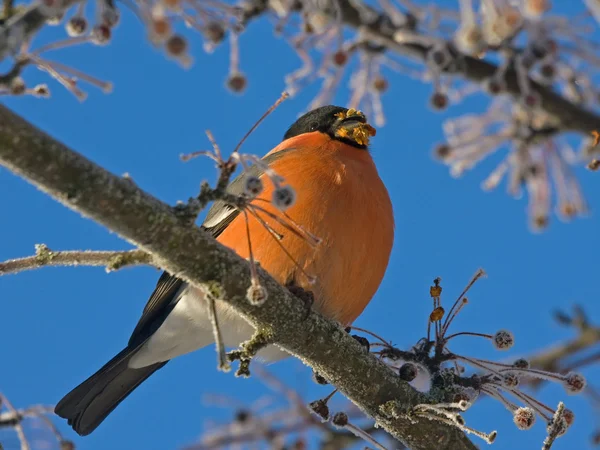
(76, 26)
(340, 419)
(256, 294)
(253, 186)
(340, 58)
(17, 86)
(524, 418)
(176, 45)
(574, 383)
(284, 197)
(101, 34)
(408, 371)
(494, 86)
(437, 314)
(540, 222)
(521, 363)
(161, 27)
(214, 32)
(242, 416)
(503, 340)
(439, 101)
(67, 445)
(237, 82)
(380, 84)
(442, 151)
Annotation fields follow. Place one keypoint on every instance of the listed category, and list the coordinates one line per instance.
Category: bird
(340, 197)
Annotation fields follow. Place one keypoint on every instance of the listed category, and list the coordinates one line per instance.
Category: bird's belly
(188, 328)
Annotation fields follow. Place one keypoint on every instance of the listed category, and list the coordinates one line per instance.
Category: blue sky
(61, 324)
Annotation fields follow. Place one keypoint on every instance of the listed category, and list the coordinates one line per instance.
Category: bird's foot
(306, 296)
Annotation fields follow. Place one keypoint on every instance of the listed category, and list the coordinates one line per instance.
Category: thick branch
(193, 255)
(112, 260)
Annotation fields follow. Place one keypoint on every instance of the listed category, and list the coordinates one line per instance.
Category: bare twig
(112, 260)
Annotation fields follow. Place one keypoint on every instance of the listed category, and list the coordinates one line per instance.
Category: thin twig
(112, 260)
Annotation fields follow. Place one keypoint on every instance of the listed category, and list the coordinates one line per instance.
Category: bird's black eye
(314, 126)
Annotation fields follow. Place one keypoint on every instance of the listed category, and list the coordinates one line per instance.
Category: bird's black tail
(86, 406)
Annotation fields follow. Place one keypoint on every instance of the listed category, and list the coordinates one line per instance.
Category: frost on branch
(540, 66)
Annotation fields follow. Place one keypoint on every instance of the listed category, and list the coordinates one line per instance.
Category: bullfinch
(340, 198)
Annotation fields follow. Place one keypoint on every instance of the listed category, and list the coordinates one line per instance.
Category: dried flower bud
(521, 363)
(442, 151)
(176, 46)
(253, 186)
(214, 32)
(380, 84)
(340, 58)
(524, 418)
(76, 26)
(161, 28)
(256, 294)
(569, 416)
(437, 314)
(101, 34)
(503, 340)
(284, 197)
(408, 371)
(237, 82)
(439, 101)
(574, 383)
(67, 445)
(242, 416)
(320, 408)
(340, 419)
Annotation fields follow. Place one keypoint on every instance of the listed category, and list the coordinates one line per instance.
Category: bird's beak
(353, 125)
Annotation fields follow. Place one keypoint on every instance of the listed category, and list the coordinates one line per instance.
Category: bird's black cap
(338, 122)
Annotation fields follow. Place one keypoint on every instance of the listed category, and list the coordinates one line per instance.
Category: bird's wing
(166, 292)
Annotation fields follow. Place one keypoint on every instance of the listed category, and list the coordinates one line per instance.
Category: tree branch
(380, 30)
(112, 260)
(193, 255)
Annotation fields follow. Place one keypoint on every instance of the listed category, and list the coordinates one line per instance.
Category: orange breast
(339, 198)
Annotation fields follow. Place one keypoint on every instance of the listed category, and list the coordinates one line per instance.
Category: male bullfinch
(324, 156)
